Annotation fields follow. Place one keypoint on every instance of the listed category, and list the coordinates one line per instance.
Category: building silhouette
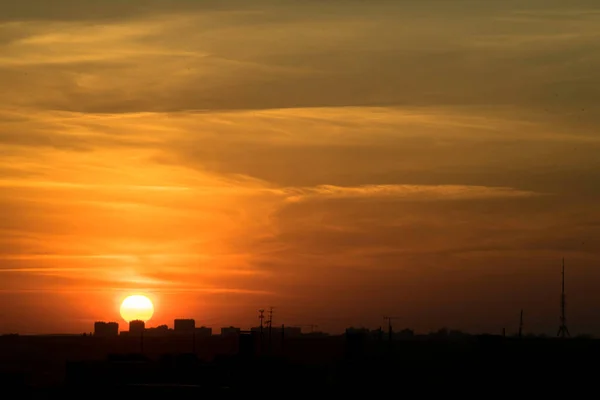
(203, 331)
(161, 330)
(287, 331)
(184, 325)
(230, 331)
(137, 327)
(106, 329)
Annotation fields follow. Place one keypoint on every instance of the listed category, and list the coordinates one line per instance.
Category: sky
(338, 161)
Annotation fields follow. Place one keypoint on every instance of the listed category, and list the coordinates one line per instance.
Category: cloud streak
(406, 192)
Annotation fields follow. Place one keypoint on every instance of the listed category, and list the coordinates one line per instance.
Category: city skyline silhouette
(142, 309)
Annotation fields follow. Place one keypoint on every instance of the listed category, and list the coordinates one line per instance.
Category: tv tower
(563, 331)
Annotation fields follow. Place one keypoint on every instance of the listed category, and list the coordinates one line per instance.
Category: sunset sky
(337, 160)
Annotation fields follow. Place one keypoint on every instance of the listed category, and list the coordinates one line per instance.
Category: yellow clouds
(190, 56)
(64, 43)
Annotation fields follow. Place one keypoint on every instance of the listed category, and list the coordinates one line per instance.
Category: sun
(137, 307)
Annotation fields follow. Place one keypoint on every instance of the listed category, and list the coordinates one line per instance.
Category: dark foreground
(479, 366)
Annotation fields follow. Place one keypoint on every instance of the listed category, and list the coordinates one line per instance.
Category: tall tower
(521, 325)
(563, 331)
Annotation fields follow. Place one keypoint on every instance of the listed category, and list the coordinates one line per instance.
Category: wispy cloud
(407, 192)
(152, 289)
(121, 65)
(44, 271)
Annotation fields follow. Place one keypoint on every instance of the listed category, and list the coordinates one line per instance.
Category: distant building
(99, 328)
(247, 344)
(137, 327)
(230, 331)
(378, 334)
(406, 334)
(184, 325)
(357, 335)
(288, 331)
(292, 331)
(203, 331)
(316, 334)
(106, 329)
(358, 331)
(161, 330)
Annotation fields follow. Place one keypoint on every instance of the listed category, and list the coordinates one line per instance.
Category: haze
(338, 160)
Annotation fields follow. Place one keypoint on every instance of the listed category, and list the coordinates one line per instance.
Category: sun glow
(137, 307)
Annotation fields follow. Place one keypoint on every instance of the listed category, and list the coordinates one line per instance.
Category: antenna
(390, 331)
(563, 331)
(521, 324)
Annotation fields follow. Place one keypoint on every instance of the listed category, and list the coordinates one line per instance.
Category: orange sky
(428, 159)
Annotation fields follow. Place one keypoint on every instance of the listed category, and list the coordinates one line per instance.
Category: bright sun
(137, 308)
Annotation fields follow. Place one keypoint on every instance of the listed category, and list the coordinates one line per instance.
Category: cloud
(579, 13)
(108, 10)
(138, 64)
(405, 192)
(44, 271)
(92, 289)
(238, 152)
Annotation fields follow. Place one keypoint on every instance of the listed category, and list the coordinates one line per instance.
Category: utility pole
(261, 317)
(390, 331)
(270, 325)
(521, 324)
(563, 331)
